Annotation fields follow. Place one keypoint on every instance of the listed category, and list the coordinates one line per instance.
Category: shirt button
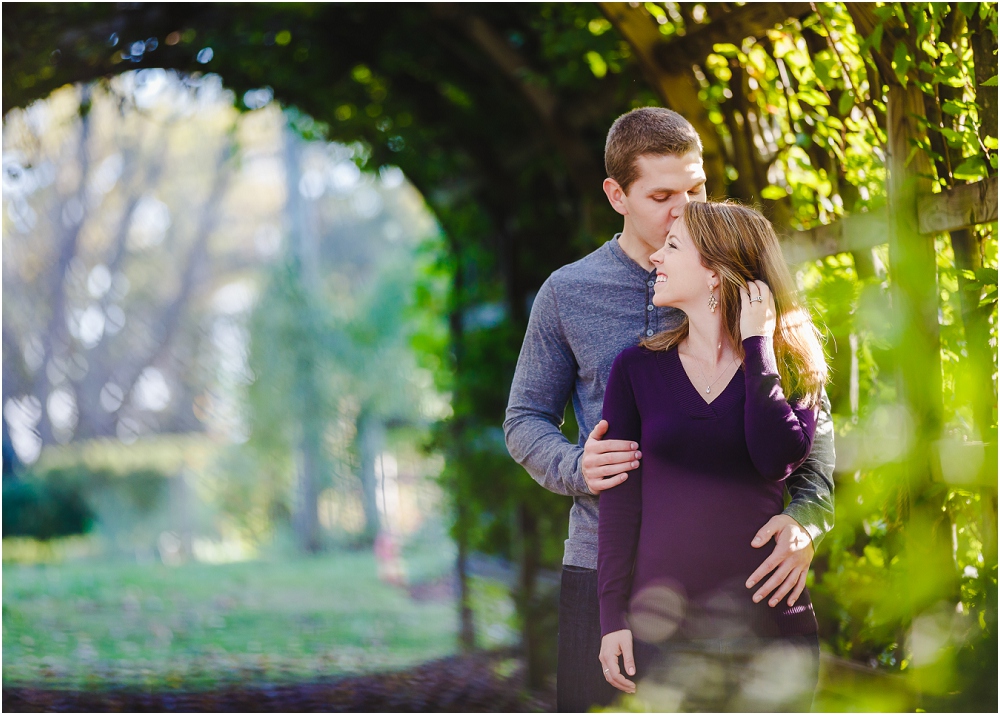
(649, 333)
(649, 307)
(650, 283)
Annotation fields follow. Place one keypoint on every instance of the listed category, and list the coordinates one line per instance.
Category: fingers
(628, 659)
(786, 586)
(609, 663)
(623, 459)
(763, 535)
(770, 563)
(599, 485)
(618, 680)
(600, 429)
(757, 292)
(594, 446)
(799, 588)
(606, 462)
(777, 578)
(610, 470)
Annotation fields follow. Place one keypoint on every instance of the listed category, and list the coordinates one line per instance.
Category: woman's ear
(713, 280)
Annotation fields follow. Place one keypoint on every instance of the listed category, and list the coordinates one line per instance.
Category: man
(585, 314)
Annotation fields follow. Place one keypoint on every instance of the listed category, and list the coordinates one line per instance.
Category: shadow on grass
(484, 681)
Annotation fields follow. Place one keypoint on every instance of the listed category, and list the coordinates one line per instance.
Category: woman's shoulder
(637, 357)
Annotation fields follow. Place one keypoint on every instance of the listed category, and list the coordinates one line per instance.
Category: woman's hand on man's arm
(618, 643)
(606, 463)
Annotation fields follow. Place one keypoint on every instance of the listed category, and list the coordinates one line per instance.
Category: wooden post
(926, 562)
(912, 264)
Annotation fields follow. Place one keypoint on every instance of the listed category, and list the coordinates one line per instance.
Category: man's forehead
(674, 173)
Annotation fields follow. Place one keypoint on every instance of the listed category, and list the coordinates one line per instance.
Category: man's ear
(615, 196)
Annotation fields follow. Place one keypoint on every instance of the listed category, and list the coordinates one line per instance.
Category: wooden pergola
(909, 222)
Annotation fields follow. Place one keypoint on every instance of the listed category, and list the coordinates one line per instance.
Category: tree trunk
(371, 441)
(309, 456)
(532, 631)
(466, 621)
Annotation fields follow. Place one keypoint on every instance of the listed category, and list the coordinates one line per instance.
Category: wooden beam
(961, 207)
(855, 232)
(952, 210)
(678, 90)
(751, 20)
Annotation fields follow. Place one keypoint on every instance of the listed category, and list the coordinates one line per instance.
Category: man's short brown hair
(647, 130)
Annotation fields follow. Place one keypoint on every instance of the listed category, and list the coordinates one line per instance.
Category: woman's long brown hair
(740, 245)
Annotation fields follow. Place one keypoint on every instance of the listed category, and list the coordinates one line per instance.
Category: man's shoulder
(591, 267)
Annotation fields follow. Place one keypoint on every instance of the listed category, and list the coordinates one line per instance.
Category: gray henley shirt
(586, 313)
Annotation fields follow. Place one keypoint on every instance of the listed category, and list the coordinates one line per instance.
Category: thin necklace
(708, 389)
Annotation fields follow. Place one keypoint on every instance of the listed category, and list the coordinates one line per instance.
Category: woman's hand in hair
(757, 314)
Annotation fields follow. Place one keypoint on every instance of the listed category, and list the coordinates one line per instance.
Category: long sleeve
(779, 435)
(620, 512)
(811, 485)
(543, 381)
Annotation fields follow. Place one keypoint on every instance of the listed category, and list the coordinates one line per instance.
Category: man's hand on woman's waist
(605, 463)
(790, 560)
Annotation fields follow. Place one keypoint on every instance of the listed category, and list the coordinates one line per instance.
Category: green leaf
(923, 25)
(884, 12)
(986, 276)
(991, 82)
(954, 138)
(726, 49)
(875, 556)
(598, 66)
(968, 8)
(773, 192)
(845, 103)
(902, 61)
(812, 96)
(874, 41)
(953, 108)
(972, 169)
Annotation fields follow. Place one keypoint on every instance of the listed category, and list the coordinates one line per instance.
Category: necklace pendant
(708, 389)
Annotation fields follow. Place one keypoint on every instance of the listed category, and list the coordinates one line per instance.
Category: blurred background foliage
(266, 273)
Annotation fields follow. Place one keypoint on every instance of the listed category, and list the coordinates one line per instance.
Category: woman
(724, 407)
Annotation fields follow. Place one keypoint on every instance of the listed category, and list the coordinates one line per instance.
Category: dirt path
(474, 683)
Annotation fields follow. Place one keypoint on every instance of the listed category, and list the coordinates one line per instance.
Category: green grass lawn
(90, 622)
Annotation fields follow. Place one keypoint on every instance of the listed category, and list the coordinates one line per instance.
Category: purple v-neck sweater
(674, 547)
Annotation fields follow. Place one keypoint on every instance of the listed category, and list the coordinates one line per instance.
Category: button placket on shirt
(650, 313)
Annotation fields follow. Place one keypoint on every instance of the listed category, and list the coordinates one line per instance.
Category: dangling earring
(712, 302)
